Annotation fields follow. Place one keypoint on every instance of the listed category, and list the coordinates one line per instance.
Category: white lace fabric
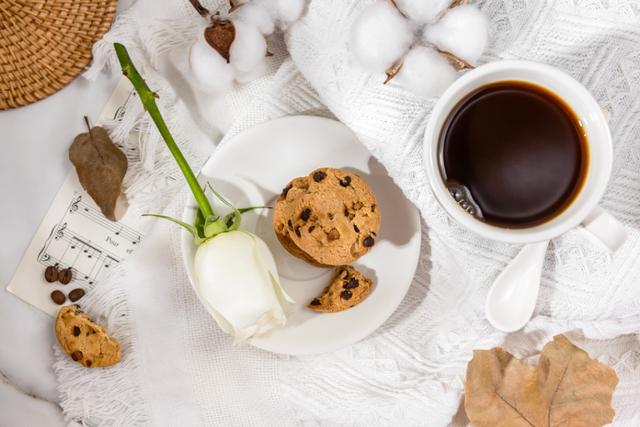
(178, 368)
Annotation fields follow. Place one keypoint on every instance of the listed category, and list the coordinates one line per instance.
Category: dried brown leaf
(392, 71)
(220, 35)
(567, 388)
(234, 5)
(458, 64)
(457, 3)
(100, 166)
(202, 11)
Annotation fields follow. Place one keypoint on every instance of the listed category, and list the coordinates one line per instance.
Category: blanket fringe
(79, 385)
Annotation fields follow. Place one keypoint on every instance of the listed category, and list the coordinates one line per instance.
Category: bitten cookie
(327, 218)
(348, 288)
(85, 341)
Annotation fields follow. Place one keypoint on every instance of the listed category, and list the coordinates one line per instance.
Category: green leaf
(233, 219)
(253, 208)
(190, 228)
(214, 225)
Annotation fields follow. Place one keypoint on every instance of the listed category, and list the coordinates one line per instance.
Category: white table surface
(33, 163)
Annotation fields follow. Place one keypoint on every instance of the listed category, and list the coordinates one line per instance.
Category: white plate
(252, 168)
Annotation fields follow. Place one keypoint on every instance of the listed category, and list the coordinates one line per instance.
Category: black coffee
(513, 154)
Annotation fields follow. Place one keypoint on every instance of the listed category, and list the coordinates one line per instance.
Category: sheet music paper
(75, 234)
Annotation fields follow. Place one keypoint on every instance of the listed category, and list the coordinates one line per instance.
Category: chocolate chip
(355, 228)
(51, 274)
(65, 276)
(373, 208)
(315, 301)
(313, 227)
(88, 363)
(345, 181)
(353, 283)
(76, 355)
(58, 297)
(346, 295)
(306, 214)
(319, 176)
(346, 212)
(290, 224)
(76, 331)
(297, 230)
(76, 294)
(285, 190)
(333, 234)
(368, 242)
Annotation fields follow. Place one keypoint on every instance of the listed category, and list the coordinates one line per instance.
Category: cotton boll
(422, 11)
(289, 10)
(463, 31)
(425, 72)
(211, 71)
(248, 49)
(284, 12)
(256, 15)
(379, 37)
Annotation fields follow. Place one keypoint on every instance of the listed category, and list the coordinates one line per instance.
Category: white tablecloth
(179, 368)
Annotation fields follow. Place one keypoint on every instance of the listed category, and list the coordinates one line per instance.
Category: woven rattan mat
(44, 44)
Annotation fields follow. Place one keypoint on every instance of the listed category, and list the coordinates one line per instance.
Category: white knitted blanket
(179, 369)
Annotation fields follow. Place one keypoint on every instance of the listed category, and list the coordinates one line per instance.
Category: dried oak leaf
(567, 388)
(100, 166)
(220, 35)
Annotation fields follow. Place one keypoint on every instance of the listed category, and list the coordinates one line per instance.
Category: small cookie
(85, 341)
(328, 218)
(348, 288)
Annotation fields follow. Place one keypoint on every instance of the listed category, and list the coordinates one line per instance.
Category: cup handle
(602, 227)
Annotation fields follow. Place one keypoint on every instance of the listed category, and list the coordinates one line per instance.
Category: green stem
(148, 99)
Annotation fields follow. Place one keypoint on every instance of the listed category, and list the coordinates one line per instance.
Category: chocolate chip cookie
(327, 218)
(85, 341)
(348, 288)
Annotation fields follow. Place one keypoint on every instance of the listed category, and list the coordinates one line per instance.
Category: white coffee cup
(583, 210)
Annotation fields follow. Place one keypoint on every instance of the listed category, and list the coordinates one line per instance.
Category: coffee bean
(51, 274)
(285, 190)
(306, 214)
(76, 331)
(368, 242)
(346, 295)
(353, 283)
(76, 294)
(319, 176)
(76, 355)
(58, 297)
(345, 181)
(355, 228)
(65, 276)
(315, 301)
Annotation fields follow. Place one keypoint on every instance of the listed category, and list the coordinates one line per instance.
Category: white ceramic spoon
(514, 293)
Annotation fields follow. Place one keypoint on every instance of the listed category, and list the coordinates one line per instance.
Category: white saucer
(252, 168)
